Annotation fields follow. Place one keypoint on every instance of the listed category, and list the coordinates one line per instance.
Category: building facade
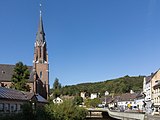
(155, 82)
(151, 89)
(147, 90)
(39, 72)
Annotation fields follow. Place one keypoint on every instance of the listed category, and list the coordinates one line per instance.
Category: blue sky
(87, 40)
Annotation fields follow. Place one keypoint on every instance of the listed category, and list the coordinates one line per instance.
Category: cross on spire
(40, 7)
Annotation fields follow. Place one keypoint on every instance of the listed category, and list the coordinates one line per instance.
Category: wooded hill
(115, 86)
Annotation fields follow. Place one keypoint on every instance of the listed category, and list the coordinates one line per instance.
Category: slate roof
(6, 72)
(6, 93)
(11, 94)
(148, 79)
(41, 99)
(40, 37)
(108, 99)
(125, 97)
(128, 96)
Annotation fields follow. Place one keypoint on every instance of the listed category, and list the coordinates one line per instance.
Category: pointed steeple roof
(40, 37)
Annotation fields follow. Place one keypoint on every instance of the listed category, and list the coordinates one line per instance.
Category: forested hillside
(116, 86)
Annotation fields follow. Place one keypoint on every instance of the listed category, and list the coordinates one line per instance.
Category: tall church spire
(40, 37)
(40, 62)
(40, 55)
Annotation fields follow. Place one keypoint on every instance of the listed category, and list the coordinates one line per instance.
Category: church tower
(40, 62)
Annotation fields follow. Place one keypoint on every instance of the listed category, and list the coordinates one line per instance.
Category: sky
(87, 40)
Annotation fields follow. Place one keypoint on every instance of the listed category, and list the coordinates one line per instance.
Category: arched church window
(40, 74)
(40, 52)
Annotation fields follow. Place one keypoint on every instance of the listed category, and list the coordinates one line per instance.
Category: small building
(57, 100)
(140, 102)
(83, 95)
(126, 101)
(11, 101)
(94, 95)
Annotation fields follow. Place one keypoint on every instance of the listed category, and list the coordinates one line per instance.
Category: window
(18, 107)
(15, 107)
(1, 107)
(7, 107)
(40, 51)
(40, 74)
(12, 108)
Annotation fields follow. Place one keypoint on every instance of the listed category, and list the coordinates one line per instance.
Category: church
(39, 72)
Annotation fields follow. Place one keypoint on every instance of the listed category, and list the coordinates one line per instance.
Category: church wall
(43, 73)
(44, 69)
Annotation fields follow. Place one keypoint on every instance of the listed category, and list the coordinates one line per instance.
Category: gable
(157, 75)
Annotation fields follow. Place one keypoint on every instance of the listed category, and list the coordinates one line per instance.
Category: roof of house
(41, 99)
(109, 99)
(6, 72)
(148, 78)
(6, 93)
(11, 94)
(128, 96)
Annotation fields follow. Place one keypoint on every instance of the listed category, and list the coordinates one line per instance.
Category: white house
(147, 90)
(57, 100)
(126, 101)
(83, 95)
(94, 95)
(140, 102)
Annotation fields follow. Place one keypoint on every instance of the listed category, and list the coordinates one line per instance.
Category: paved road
(154, 117)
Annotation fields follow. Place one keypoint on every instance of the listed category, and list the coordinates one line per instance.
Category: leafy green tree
(92, 102)
(20, 76)
(78, 100)
(27, 112)
(56, 88)
(66, 111)
(56, 84)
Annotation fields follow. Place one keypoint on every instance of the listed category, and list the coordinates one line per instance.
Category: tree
(20, 76)
(92, 102)
(66, 111)
(78, 100)
(56, 88)
(56, 84)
